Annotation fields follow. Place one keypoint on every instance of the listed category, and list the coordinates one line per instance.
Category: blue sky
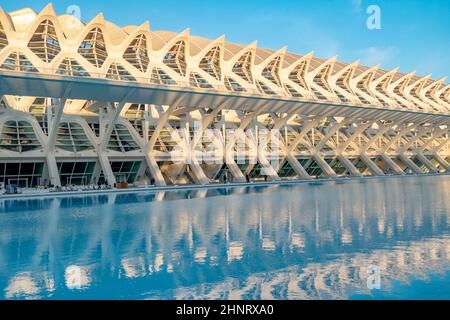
(414, 33)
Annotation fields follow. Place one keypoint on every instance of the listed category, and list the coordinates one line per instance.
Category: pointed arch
(44, 43)
(93, 47)
(298, 75)
(243, 67)
(381, 88)
(210, 63)
(17, 61)
(343, 83)
(400, 86)
(362, 85)
(71, 67)
(431, 90)
(137, 53)
(321, 78)
(175, 58)
(272, 71)
(445, 94)
(415, 89)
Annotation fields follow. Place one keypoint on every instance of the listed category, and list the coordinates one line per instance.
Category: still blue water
(308, 241)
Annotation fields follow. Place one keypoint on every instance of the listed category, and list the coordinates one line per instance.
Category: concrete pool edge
(154, 189)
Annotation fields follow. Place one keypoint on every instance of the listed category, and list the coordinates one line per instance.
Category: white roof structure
(46, 43)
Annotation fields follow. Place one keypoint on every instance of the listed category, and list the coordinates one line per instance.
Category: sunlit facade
(83, 103)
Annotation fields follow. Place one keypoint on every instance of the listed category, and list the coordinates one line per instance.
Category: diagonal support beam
(149, 157)
(52, 166)
(410, 163)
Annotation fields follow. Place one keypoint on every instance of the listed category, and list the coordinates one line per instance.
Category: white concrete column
(371, 165)
(426, 162)
(410, 163)
(229, 147)
(52, 167)
(149, 156)
(392, 164)
(349, 165)
(442, 162)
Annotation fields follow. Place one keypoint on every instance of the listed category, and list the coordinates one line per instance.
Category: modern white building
(83, 103)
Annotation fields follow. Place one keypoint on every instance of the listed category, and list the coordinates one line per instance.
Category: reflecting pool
(355, 239)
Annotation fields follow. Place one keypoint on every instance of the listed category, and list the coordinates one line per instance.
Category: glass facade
(22, 174)
(121, 140)
(44, 42)
(125, 171)
(70, 67)
(3, 39)
(17, 61)
(71, 137)
(137, 54)
(176, 58)
(211, 63)
(243, 67)
(76, 173)
(93, 48)
(19, 136)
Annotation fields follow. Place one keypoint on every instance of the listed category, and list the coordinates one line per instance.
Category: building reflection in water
(307, 241)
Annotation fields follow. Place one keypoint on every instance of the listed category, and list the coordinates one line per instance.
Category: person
(265, 177)
(225, 177)
(247, 177)
(152, 181)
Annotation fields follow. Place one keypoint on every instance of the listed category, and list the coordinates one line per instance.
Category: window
(125, 171)
(321, 79)
(445, 96)
(263, 88)
(176, 58)
(19, 136)
(197, 81)
(3, 39)
(362, 85)
(294, 93)
(23, 174)
(17, 61)
(93, 48)
(271, 71)
(298, 75)
(71, 137)
(121, 140)
(243, 67)
(160, 77)
(39, 110)
(137, 54)
(381, 89)
(76, 173)
(343, 83)
(70, 67)
(136, 115)
(232, 85)
(118, 72)
(211, 63)
(44, 42)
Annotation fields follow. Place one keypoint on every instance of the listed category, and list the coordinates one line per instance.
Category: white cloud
(372, 56)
